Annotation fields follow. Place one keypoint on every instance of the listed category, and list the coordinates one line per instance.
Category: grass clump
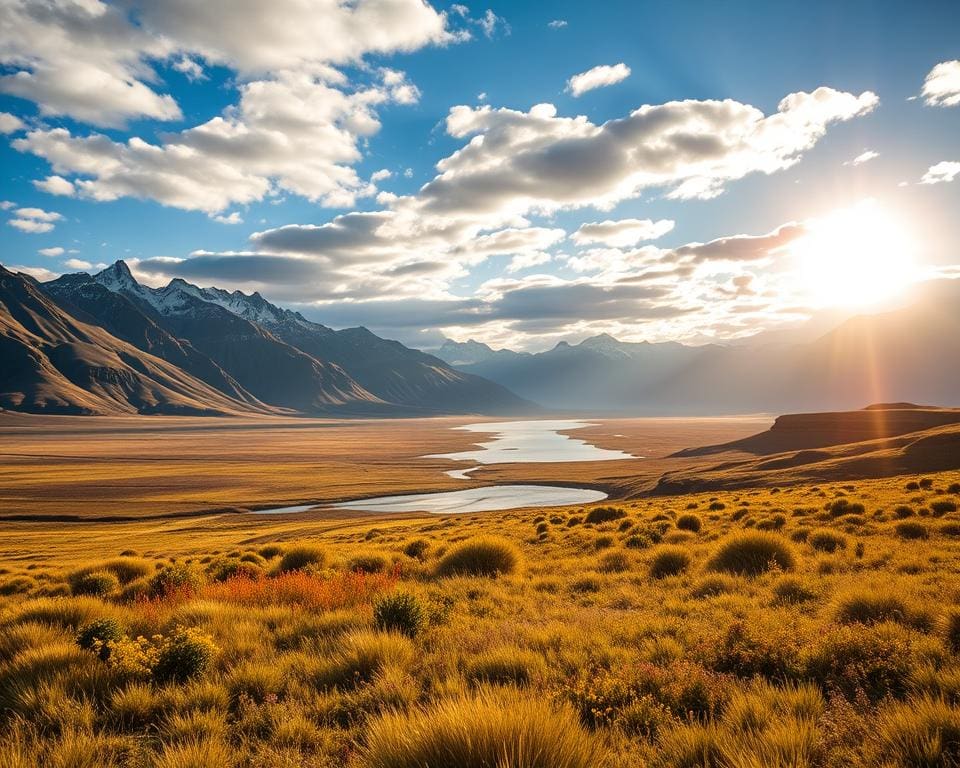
(604, 514)
(503, 666)
(97, 583)
(98, 635)
(362, 656)
(912, 529)
(689, 522)
(752, 553)
(175, 578)
(300, 558)
(400, 612)
(793, 590)
(825, 540)
(482, 556)
(486, 730)
(874, 606)
(669, 561)
(923, 732)
(186, 654)
(951, 630)
(614, 562)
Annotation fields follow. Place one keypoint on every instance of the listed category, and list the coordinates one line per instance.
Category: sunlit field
(803, 626)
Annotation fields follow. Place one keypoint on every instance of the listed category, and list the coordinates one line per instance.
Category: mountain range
(106, 344)
(908, 354)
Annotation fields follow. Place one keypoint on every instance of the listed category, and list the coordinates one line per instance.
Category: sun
(860, 256)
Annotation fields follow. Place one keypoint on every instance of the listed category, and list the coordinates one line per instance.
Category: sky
(516, 172)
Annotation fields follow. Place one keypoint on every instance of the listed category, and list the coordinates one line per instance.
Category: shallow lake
(530, 441)
(512, 441)
(487, 499)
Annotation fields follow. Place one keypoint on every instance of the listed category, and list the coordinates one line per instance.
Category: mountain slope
(215, 321)
(54, 363)
(273, 371)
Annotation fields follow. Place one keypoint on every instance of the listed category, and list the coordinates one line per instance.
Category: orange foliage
(342, 590)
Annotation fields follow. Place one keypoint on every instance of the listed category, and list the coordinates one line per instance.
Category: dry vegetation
(808, 626)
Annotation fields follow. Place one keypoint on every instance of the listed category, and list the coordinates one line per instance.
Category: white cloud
(942, 172)
(6, 205)
(557, 24)
(517, 162)
(38, 273)
(621, 233)
(189, 67)
(77, 264)
(381, 175)
(34, 220)
(10, 123)
(864, 157)
(598, 77)
(52, 252)
(56, 185)
(941, 88)
(233, 218)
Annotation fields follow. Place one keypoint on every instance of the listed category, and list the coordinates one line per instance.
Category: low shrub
(368, 563)
(950, 529)
(416, 549)
(486, 730)
(400, 612)
(669, 561)
(185, 654)
(792, 589)
(301, 557)
(689, 522)
(842, 507)
(911, 529)
(483, 556)
(270, 551)
(99, 635)
(175, 578)
(713, 585)
(942, 507)
(825, 540)
(903, 512)
(604, 514)
(752, 553)
(98, 584)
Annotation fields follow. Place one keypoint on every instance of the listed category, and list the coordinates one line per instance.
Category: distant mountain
(909, 354)
(56, 363)
(256, 351)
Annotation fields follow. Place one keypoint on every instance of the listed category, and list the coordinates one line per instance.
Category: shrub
(400, 612)
(923, 732)
(98, 583)
(486, 556)
(486, 730)
(689, 522)
(185, 654)
(717, 506)
(603, 542)
(604, 514)
(912, 486)
(503, 666)
(231, 568)
(872, 607)
(300, 558)
(954, 488)
(614, 562)
(903, 512)
(99, 634)
(752, 553)
(669, 561)
(417, 549)
(950, 529)
(911, 529)
(842, 507)
(942, 507)
(716, 584)
(270, 551)
(825, 540)
(369, 563)
(171, 579)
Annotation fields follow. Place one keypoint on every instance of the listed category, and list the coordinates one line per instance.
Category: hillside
(54, 363)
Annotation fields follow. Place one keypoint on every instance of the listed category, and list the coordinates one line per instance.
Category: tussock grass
(486, 556)
(669, 561)
(752, 553)
(301, 557)
(486, 730)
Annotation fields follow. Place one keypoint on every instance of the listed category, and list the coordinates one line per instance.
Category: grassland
(805, 625)
(138, 467)
(800, 626)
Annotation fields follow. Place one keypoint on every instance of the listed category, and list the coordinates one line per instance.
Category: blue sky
(157, 123)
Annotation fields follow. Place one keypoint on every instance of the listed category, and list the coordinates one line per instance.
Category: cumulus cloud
(38, 273)
(517, 162)
(942, 172)
(557, 24)
(56, 185)
(77, 264)
(864, 157)
(294, 133)
(597, 77)
(10, 123)
(941, 88)
(233, 218)
(34, 220)
(52, 252)
(621, 233)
